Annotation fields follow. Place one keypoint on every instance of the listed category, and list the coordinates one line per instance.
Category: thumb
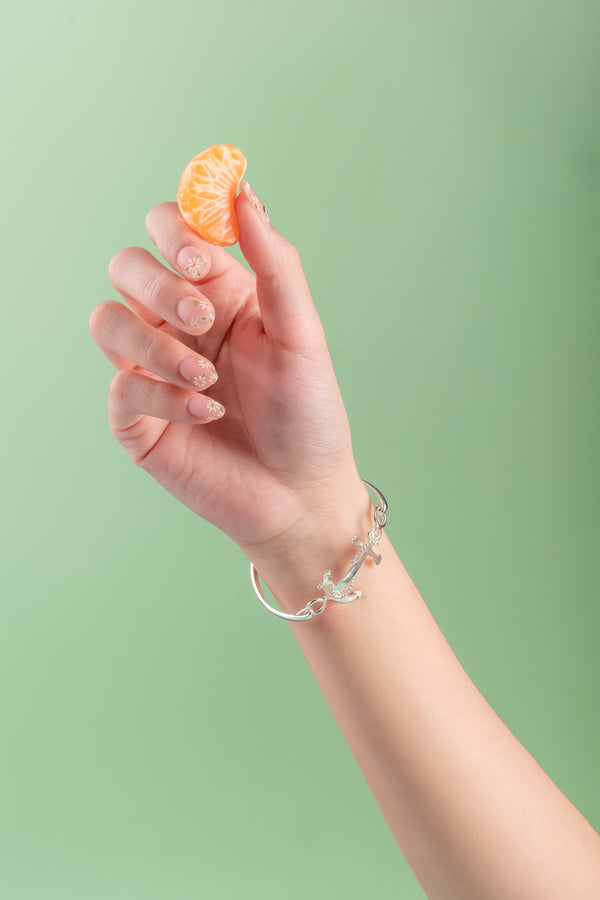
(286, 306)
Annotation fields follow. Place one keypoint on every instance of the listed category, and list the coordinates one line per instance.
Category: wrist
(293, 565)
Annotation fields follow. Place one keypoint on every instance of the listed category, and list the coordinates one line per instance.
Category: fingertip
(196, 314)
(193, 262)
(259, 242)
(288, 314)
(204, 408)
(255, 202)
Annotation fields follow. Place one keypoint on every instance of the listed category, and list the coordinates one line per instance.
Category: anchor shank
(366, 551)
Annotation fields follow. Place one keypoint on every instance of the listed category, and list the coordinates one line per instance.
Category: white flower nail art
(209, 316)
(214, 409)
(205, 379)
(195, 265)
(197, 321)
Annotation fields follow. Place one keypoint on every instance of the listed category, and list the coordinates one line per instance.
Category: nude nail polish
(199, 372)
(192, 263)
(196, 313)
(205, 408)
(258, 205)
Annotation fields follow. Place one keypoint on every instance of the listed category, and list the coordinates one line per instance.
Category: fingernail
(199, 372)
(255, 201)
(205, 408)
(196, 313)
(192, 263)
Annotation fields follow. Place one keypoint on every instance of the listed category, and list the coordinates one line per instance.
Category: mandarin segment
(207, 191)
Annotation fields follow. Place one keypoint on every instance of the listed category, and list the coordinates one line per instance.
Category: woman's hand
(278, 463)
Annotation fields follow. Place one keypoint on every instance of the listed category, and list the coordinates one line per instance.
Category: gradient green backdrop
(437, 165)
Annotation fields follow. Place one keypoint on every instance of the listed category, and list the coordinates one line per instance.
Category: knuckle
(120, 387)
(153, 216)
(290, 253)
(287, 259)
(152, 347)
(104, 320)
(149, 217)
(149, 222)
(153, 288)
(117, 263)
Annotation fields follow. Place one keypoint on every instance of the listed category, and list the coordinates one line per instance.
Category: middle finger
(138, 276)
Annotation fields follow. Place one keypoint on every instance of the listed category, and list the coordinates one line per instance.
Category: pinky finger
(133, 396)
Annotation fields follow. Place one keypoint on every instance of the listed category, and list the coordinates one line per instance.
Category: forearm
(474, 814)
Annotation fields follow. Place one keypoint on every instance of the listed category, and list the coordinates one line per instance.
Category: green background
(438, 166)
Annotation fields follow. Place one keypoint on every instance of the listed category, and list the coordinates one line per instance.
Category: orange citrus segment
(207, 190)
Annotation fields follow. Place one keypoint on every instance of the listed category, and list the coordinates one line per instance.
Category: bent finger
(119, 332)
(133, 396)
(158, 295)
(186, 251)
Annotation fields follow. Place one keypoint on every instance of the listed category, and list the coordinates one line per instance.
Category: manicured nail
(192, 263)
(196, 313)
(205, 408)
(255, 201)
(199, 372)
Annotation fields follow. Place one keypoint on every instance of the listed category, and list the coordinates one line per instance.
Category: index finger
(186, 252)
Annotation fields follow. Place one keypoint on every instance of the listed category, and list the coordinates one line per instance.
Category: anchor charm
(342, 590)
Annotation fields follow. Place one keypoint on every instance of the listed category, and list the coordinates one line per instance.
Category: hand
(279, 460)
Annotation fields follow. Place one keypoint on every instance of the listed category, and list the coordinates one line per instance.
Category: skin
(472, 811)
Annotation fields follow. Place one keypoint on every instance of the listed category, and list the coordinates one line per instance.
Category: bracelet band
(342, 590)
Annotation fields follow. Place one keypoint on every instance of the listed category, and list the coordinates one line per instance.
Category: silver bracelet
(341, 591)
